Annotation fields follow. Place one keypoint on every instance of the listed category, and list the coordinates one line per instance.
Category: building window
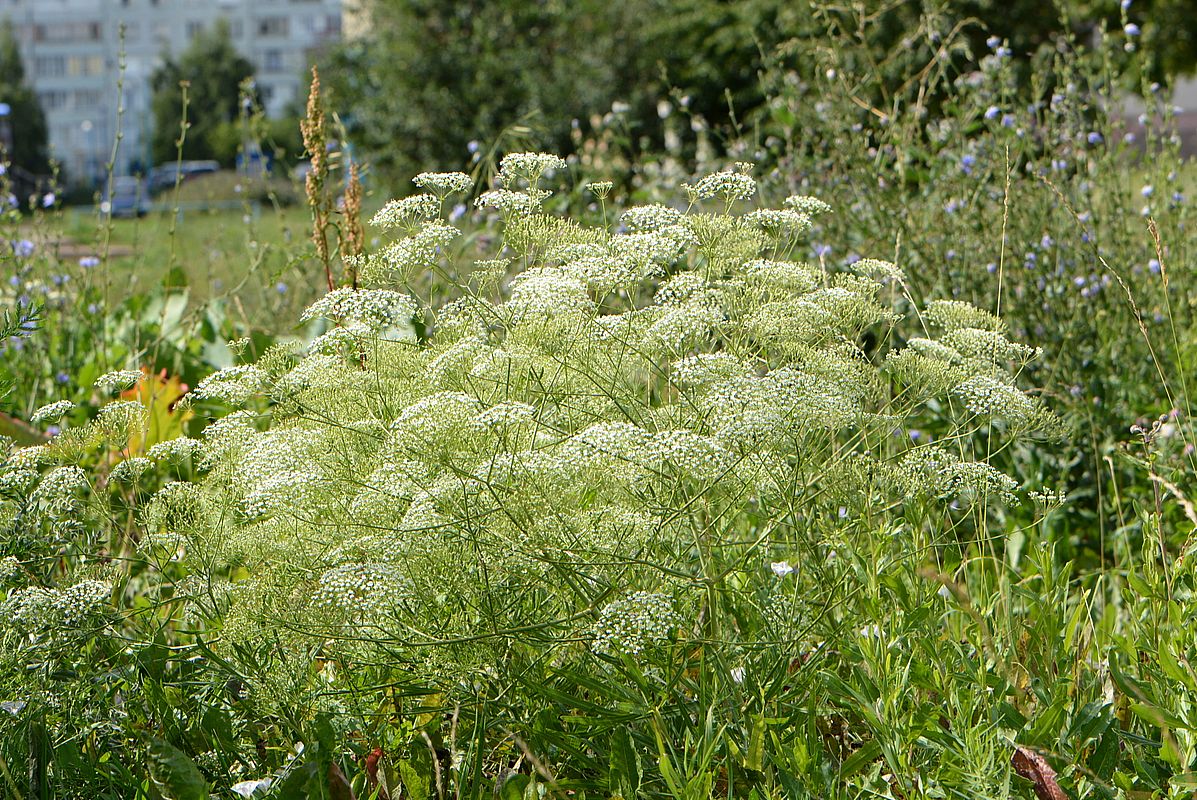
(272, 26)
(88, 99)
(68, 32)
(195, 28)
(52, 100)
(85, 65)
(49, 66)
(272, 61)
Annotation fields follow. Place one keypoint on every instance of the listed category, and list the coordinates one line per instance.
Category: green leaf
(416, 776)
(866, 755)
(626, 771)
(174, 775)
(756, 745)
(1160, 717)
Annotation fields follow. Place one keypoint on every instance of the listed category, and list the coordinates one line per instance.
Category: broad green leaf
(174, 775)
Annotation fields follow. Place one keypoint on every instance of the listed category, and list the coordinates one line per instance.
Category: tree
(26, 118)
(214, 71)
(430, 77)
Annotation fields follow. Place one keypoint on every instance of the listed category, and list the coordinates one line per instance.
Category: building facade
(72, 52)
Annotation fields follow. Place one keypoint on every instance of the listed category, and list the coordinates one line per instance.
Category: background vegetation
(952, 595)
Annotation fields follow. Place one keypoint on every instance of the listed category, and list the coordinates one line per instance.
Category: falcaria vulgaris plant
(612, 517)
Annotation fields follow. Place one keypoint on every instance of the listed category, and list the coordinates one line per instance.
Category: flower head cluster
(234, 384)
(407, 211)
(644, 219)
(377, 308)
(38, 609)
(120, 379)
(60, 489)
(810, 206)
(635, 623)
(361, 590)
(131, 469)
(507, 202)
(443, 183)
(729, 185)
(415, 253)
(776, 222)
(52, 411)
(528, 166)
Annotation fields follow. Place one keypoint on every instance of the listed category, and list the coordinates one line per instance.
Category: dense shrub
(659, 460)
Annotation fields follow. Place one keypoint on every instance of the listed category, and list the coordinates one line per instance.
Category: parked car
(163, 176)
(129, 197)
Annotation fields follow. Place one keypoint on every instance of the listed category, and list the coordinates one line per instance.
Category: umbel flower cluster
(553, 459)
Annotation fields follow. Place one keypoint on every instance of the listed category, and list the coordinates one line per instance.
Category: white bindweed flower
(781, 568)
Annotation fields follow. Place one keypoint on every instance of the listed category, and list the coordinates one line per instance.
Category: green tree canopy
(215, 71)
(430, 77)
(28, 121)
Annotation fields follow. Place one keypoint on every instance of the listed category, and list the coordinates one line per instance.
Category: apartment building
(72, 52)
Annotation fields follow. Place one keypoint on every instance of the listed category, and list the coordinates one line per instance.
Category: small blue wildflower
(62, 377)
(1154, 266)
(967, 162)
(1131, 29)
(1177, 197)
(1126, 4)
(48, 200)
(914, 434)
(53, 430)
(991, 267)
(22, 248)
(1079, 280)
(1094, 137)
(89, 262)
(1129, 138)
(951, 255)
(458, 212)
(993, 112)
(1147, 191)
(1046, 242)
(14, 281)
(1004, 52)
(993, 42)
(280, 287)
(822, 250)
(93, 308)
(1008, 121)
